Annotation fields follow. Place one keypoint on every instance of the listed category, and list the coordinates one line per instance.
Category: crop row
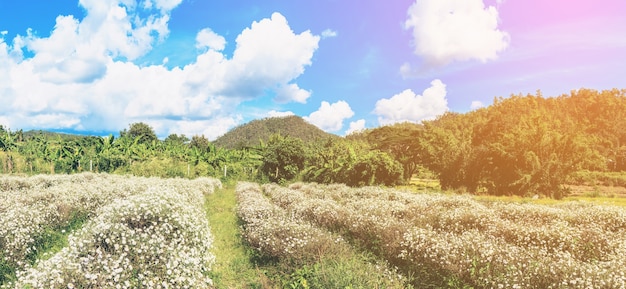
(131, 221)
(456, 241)
(277, 234)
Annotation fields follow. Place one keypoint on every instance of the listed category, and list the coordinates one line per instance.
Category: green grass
(234, 267)
(50, 242)
(53, 240)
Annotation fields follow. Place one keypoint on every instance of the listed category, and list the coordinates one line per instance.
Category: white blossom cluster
(142, 232)
(269, 229)
(480, 244)
(283, 234)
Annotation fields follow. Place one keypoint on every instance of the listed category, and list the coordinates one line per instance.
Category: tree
(374, 168)
(174, 139)
(446, 148)
(399, 140)
(199, 142)
(140, 130)
(352, 162)
(529, 148)
(283, 158)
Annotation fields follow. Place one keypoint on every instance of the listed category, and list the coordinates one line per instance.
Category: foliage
(283, 158)
(141, 131)
(175, 139)
(200, 143)
(131, 152)
(399, 141)
(591, 178)
(351, 162)
(521, 145)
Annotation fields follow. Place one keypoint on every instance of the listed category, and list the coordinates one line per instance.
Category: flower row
(153, 218)
(443, 239)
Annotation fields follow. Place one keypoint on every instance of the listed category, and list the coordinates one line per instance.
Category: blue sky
(204, 67)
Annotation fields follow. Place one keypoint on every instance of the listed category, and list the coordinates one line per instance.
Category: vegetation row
(310, 256)
(443, 241)
(136, 232)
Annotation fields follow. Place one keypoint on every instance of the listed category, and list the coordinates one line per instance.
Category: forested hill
(252, 133)
(519, 145)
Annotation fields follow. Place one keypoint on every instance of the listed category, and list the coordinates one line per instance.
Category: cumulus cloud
(291, 92)
(410, 107)
(268, 55)
(207, 39)
(476, 104)
(455, 30)
(330, 117)
(82, 76)
(356, 126)
(274, 113)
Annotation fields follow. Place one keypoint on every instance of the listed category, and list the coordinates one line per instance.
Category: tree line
(520, 145)
(138, 151)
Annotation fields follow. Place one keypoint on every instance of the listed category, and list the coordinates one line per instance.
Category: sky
(200, 67)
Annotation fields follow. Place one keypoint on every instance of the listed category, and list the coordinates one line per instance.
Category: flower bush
(456, 241)
(146, 232)
(318, 257)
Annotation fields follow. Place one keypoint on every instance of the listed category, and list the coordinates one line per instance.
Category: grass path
(233, 268)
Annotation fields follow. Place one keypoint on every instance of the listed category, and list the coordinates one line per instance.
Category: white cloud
(274, 113)
(268, 56)
(329, 33)
(211, 129)
(82, 77)
(330, 117)
(167, 4)
(408, 106)
(406, 71)
(476, 104)
(455, 30)
(291, 92)
(356, 126)
(206, 38)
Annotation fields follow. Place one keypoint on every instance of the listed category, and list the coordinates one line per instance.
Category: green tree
(140, 130)
(528, 147)
(446, 148)
(175, 139)
(399, 140)
(199, 142)
(283, 158)
(352, 162)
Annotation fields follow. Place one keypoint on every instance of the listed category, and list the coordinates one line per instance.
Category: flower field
(442, 241)
(133, 232)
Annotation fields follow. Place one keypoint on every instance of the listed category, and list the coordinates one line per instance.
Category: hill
(251, 133)
(52, 135)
